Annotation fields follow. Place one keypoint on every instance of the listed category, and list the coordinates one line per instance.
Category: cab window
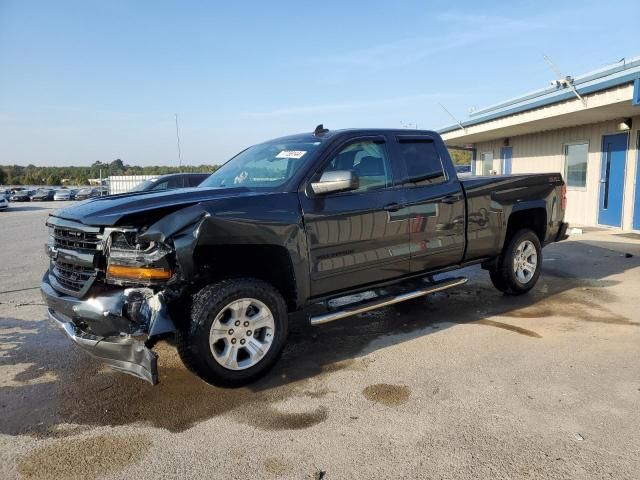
(366, 159)
(422, 161)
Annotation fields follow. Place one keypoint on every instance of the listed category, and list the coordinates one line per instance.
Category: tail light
(564, 197)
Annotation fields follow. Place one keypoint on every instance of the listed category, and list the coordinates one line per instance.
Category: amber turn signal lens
(138, 273)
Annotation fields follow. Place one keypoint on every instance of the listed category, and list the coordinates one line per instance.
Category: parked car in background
(4, 203)
(85, 193)
(21, 195)
(43, 195)
(463, 169)
(171, 181)
(65, 194)
(62, 194)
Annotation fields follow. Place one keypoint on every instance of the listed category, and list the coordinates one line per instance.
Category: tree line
(32, 175)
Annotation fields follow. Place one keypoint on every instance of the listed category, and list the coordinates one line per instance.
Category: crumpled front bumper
(104, 312)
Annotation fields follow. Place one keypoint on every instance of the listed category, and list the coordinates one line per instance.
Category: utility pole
(178, 140)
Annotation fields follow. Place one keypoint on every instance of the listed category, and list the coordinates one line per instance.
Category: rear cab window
(421, 159)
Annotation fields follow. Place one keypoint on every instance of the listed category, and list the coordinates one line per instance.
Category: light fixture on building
(625, 124)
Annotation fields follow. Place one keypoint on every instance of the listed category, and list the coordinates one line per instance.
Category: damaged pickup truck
(289, 225)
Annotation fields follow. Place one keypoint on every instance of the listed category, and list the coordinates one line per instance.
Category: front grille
(73, 248)
(72, 277)
(75, 239)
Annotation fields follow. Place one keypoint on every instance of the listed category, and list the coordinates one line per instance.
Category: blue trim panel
(474, 157)
(636, 93)
(636, 205)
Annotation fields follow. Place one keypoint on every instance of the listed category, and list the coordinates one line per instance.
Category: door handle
(393, 207)
(449, 199)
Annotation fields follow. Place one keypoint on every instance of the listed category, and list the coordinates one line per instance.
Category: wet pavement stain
(276, 467)
(84, 458)
(573, 305)
(389, 395)
(84, 393)
(506, 326)
(272, 419)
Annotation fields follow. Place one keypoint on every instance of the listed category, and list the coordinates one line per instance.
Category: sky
(85, 81)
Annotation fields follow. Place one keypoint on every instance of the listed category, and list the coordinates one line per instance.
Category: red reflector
(564, 197)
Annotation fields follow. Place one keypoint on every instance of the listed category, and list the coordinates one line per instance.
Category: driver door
(361, 236)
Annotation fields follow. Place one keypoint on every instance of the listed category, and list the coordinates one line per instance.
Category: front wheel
(237, 330)
(518, 268)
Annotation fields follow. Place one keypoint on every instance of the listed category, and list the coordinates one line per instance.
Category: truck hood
(111, 210)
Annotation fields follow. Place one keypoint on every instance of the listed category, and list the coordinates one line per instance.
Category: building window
(487, 163)
(576, 157)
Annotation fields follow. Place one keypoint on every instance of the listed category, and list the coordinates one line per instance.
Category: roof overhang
(614, 103)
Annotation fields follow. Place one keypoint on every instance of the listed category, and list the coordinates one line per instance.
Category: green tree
(53, 179)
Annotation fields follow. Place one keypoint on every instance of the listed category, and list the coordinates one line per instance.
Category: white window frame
(482, 161)
(565, 165)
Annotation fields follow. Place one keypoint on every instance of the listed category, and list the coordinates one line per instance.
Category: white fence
(124, 183)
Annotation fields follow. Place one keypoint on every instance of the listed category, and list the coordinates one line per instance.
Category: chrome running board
(385, 301)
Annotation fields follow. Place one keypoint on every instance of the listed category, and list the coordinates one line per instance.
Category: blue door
(505, 155)
(636, 206)
(614, 156)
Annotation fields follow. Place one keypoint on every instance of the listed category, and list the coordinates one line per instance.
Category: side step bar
(385, 301)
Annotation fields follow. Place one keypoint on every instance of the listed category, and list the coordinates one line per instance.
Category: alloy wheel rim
(242, 334)
(525, 262)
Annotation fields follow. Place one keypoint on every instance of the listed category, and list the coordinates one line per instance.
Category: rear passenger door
(361, 236)
(435, 203)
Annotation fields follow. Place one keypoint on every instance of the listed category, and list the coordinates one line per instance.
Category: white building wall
(544, 152)
(124, 183)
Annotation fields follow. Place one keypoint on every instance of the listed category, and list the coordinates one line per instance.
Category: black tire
(497, 280)
(192, 341)
(503, 275)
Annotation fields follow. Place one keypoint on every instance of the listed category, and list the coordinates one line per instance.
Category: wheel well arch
(271, 263)
(532, 218)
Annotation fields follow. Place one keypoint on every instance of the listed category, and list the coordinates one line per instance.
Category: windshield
(266, 165)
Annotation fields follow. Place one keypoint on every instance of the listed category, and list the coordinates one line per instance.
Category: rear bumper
(101, 324)
(562, 232)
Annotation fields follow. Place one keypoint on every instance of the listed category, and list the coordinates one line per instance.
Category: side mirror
(336, 181)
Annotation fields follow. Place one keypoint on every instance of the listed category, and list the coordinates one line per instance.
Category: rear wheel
(237, 330)
(518, 268)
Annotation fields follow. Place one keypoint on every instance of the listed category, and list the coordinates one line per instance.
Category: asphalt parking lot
(465, 384)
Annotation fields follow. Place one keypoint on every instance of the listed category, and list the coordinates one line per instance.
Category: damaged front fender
(183, 228)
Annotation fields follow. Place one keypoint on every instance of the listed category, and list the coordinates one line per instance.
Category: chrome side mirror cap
(336, 181)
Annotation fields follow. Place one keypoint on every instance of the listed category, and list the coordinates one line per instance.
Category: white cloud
(471, 29)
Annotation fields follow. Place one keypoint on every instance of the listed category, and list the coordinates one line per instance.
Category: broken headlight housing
(133, 262)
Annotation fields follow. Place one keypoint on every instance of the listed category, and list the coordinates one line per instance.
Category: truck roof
(309, 137)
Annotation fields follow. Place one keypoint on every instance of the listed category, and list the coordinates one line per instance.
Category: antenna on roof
(564, 81)
(179, 151)
(454, 118)
(320, 130)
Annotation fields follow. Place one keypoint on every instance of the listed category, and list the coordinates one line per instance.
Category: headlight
(132, 261)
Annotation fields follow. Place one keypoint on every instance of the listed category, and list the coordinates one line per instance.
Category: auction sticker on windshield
(291, 154)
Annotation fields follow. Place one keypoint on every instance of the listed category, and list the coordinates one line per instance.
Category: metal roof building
(587, 128)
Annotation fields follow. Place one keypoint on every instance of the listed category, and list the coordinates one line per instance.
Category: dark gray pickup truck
(287, 226)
